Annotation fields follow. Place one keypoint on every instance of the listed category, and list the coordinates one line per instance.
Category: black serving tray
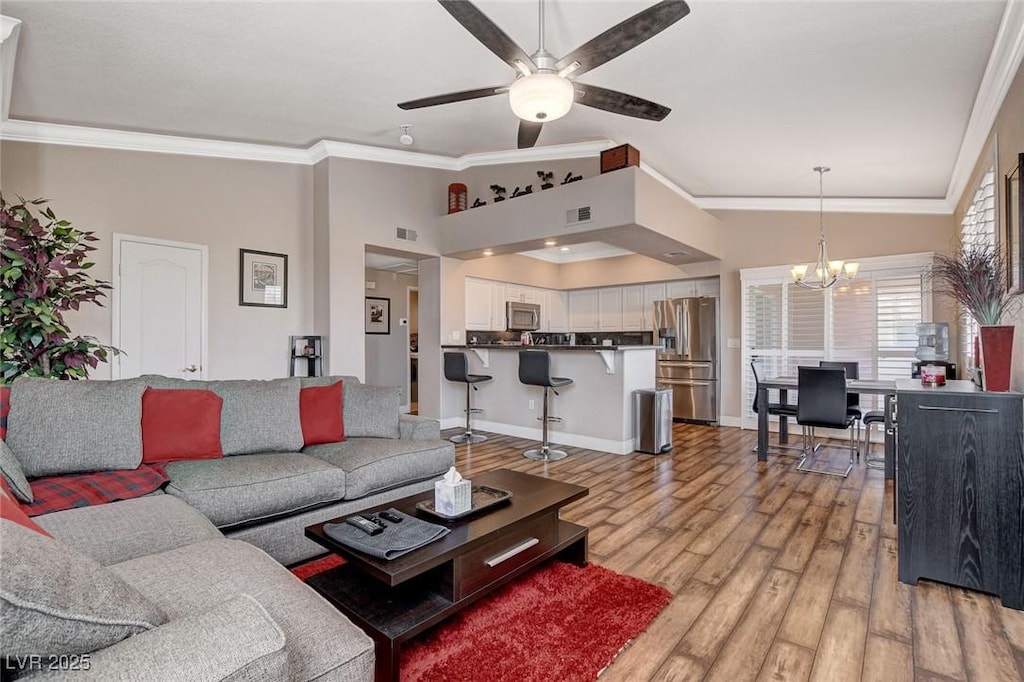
(484, 497)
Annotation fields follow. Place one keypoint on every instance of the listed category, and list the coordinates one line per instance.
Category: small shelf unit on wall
(306, 356)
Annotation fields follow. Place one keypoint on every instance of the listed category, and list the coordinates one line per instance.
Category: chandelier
(824, 272)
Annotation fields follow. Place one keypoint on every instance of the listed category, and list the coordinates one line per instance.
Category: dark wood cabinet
(960, 483)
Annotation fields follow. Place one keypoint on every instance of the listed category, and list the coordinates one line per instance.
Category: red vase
(996, 356)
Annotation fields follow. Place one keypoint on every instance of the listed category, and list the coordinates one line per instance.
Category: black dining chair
(774, 410)
(852, 399)
(821, 402)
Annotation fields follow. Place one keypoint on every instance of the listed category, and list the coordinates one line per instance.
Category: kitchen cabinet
(652, 293)
(633, 308)
(960, 483)
(555, 311)
(609, 309)
(583, 310)
(707, 287)
(683, 288)
(485, 305)
(521, 294)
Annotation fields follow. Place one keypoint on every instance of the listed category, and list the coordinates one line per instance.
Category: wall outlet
(402, 322)
(531, 405)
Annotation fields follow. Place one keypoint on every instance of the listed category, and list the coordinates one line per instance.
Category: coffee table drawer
(498, 558)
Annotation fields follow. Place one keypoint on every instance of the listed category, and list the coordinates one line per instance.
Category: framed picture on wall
(378, 315)
(1014, 238)
(262, 279)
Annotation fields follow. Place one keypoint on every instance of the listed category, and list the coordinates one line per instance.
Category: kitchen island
(596, 410)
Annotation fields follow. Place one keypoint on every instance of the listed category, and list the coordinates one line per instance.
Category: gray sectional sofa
(209, 551)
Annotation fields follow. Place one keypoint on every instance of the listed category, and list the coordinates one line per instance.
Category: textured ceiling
(760, 91)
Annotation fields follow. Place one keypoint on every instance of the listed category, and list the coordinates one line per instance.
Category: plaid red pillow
(5, 409)
(54, 493)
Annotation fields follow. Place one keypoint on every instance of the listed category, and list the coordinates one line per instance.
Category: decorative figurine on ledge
(517, 193)
(477, 203)
(569, 177)
(545, 178)
(499, 192)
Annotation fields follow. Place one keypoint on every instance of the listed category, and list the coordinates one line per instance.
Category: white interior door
(160, 308)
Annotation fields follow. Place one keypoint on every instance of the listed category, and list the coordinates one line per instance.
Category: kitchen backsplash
(553, 339)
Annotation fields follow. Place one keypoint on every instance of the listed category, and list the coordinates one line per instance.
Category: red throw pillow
(180, 423)
(11, 511)
(320, 411)
(5, 409)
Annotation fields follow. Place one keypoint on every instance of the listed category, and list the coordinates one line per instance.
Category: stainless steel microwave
(522, 317)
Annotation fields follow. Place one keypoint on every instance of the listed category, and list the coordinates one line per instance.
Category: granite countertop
(538, 346)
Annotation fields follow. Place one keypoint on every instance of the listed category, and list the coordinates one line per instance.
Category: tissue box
(452, 499)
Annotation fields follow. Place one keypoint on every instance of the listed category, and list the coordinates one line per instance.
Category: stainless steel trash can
(652, 420)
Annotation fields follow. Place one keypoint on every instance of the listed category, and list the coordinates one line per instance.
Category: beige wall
(1009, 128)
(224, 204)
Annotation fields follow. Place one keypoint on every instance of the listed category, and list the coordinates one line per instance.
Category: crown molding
(832, 205)
(1003, 64)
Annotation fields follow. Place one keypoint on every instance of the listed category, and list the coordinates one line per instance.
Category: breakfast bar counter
(596, 410)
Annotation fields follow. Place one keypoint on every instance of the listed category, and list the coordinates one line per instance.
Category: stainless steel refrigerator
(686, 330)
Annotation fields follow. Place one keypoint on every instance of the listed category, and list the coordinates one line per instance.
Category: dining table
(783, 384)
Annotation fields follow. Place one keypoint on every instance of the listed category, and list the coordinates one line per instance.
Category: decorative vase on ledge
(996, 356)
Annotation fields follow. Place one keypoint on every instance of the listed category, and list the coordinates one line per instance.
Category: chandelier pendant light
(824, 272)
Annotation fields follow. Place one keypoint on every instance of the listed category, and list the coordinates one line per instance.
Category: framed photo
(262, 279)
(1014, 238)
(378, 315)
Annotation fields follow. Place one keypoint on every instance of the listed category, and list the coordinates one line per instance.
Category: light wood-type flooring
(777, 575)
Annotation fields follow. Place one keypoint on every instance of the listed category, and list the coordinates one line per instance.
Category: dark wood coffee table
(393, 601)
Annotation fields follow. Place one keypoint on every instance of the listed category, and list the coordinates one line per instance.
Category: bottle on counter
(526, 339)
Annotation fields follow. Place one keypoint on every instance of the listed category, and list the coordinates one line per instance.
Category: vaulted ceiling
(760, 91)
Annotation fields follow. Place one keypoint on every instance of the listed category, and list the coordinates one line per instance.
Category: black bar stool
(535, 370)
(456, 368)
(869, 418)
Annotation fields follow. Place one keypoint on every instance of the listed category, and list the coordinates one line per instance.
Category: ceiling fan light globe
(541, 97)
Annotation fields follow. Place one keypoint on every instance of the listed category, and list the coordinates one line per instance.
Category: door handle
(957, 409)
(191, 368)
(684, 382)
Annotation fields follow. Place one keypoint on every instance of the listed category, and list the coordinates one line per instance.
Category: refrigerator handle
(683, 345)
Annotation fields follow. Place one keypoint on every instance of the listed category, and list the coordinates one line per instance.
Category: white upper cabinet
(633, 308)
(522, 294)
(609, 309)
(652, 293)
(498, 307)
(683, 288)
(478, 304)
(708, 287)
(583, 307)
(555, 311)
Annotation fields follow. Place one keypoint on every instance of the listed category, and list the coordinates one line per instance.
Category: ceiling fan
(543, 91)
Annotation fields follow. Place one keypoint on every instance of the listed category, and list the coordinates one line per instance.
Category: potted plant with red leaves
(44, 274)
(975, 278)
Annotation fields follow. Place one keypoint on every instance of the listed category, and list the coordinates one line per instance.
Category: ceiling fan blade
(619, 102)
(452, 97)
(624, 36)
(487, 32)
(528, 133)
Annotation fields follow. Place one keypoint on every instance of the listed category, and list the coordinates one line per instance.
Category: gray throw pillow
(372, 411)
(13, 474)
(55, 602)
(65, 427)
(257, 416)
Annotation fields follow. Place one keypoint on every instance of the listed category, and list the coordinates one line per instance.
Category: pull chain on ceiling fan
(543, 90)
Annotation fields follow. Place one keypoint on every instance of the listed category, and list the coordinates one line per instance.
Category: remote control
(391, 516)
(364, 524)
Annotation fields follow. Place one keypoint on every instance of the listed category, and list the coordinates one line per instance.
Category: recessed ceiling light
(564, 248)
(550, 242)
(488, 252)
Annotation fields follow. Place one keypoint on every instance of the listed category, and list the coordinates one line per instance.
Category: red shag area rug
(559, 622)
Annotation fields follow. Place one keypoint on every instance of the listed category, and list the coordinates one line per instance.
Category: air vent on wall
(405, 234)
(576, 216)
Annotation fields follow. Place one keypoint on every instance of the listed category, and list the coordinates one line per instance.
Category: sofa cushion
(249, 488)
(62, 427)
(320, 411)
(257, 416)
(119, 531)
(11, 471)
(321, 643)
(54, 601)
(372, 412)
(56, 493)
(375, 464)
(180, 423)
